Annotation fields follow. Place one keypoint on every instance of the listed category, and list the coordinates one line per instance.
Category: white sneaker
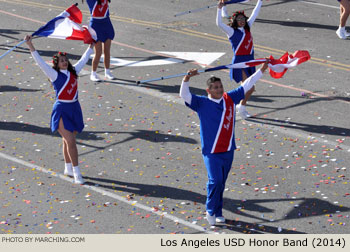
(109, 76)
(220, 219)
(341, 33)
(211, 219)
(68, 170)
(224, 12)
(347, 34)
(242, 111)
(78, 179)
(94, 77)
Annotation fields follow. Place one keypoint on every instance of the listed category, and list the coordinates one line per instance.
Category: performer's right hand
(28, 39)
(190, 73)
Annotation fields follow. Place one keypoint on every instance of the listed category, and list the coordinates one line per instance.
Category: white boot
(94, 77)
(242, 111)
(78, 179)
(341, 32)
(211, 219)
(109, 75)
(220, 219)
(347, 34)
(68, 169)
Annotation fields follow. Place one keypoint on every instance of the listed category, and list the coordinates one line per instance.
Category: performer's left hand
(221, 3)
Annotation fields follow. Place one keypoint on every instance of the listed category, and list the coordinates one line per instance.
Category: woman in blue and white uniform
(66, 117)
(238, 33)
(101, 23)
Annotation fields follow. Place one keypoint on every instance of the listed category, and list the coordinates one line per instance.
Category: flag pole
(182, 74)
(208, 7)
(195, 10)
(236, 65)
(13, 48)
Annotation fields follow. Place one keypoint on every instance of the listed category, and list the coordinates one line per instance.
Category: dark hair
(234, 23)
(55, 63)
(98, 1)
(212, 80)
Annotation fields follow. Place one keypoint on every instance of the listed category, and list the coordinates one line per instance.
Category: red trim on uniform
(100, 10)
(224, 140)
(70, 90)
(246, 46)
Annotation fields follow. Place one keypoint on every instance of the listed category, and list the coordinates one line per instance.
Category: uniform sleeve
(185, 92)
(48, 70)
(81, 63)
(237, 94)
(255, 13)
(196, 102)
(250, 82)
(225, 28)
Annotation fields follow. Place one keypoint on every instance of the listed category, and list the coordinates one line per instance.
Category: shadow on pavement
(309, 207)
(22, 127)
(297, 24)
(312, 128)
(8, 88)
(147, 135)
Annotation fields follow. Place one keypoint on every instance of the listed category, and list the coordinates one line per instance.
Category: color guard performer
(217, 123)
(238, 33)
(66, 117)
(103, 27)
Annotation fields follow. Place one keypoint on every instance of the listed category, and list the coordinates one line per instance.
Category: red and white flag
(277, 67)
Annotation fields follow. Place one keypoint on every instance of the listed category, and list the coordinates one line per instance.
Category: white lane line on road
(109, 194)
(319, 4)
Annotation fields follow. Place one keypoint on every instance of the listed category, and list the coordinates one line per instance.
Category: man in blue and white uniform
(217, 123)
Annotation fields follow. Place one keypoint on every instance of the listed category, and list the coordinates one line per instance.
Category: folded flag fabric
(66, 26)
(277, 67)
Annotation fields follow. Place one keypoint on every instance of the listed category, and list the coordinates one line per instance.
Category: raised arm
(81, 63)
(224, 27)
(48, 70)
(255, 13)
(250, 82)
(185, 86)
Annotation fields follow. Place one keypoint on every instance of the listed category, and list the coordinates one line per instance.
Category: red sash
(224, 136)
(100, 10)
(69, 90)
(245, 48)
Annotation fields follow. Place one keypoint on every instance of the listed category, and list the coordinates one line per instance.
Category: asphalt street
(140, 150)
